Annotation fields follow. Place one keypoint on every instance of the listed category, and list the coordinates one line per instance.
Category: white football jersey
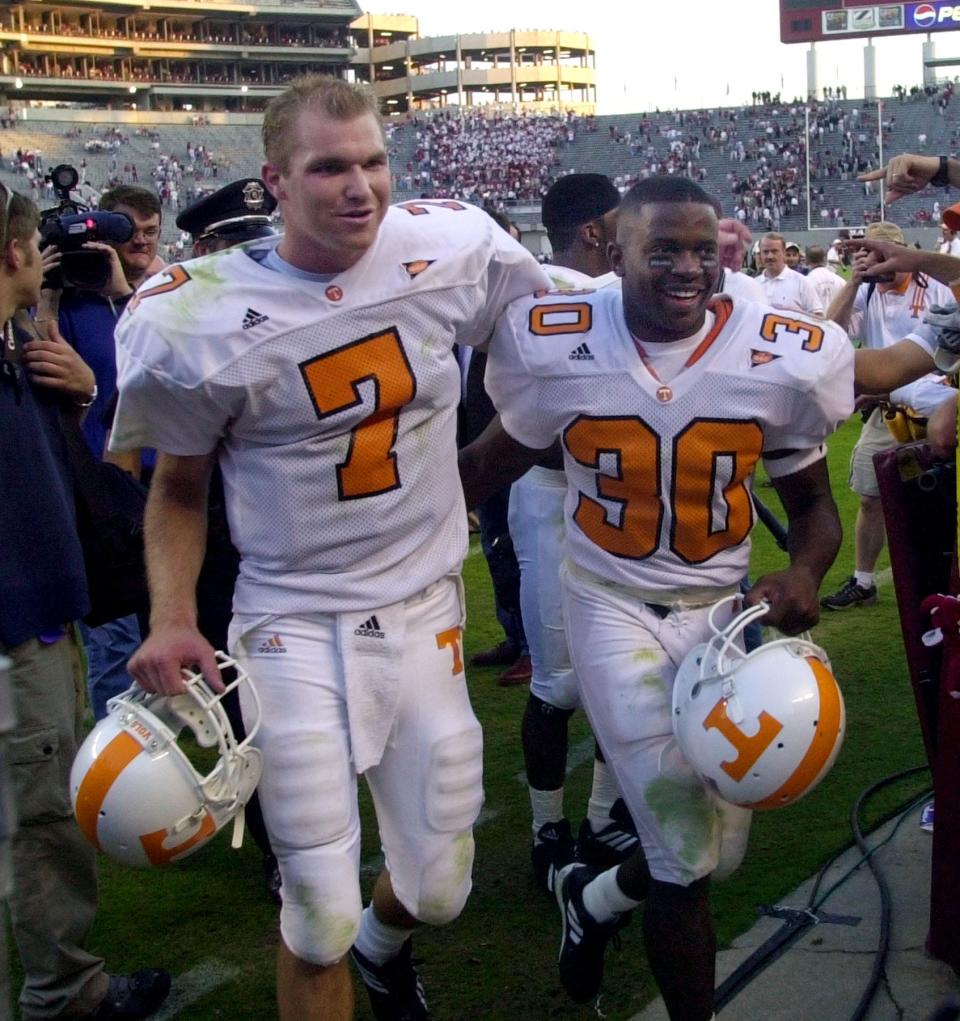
(659, 476)
(333, 403)
(564, 278)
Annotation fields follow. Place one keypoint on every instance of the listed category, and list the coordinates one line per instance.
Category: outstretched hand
(904, 174)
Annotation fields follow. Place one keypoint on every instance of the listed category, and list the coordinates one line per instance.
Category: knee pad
(544, 734)
(446, 882)
(321, 909)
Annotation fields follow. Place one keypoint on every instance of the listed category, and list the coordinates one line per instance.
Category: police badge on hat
(253, 195)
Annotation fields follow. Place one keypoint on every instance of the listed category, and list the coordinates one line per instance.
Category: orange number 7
(333, 380)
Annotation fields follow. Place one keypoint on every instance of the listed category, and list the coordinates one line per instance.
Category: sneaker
(851, 594)
(553, 849)
(394, 988)
(133, 996)
(519, 673)
(926, 817)
(500, 655)
(584, 939)
(612, 845)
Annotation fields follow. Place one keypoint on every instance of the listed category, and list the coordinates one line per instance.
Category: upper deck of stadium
(233, 56)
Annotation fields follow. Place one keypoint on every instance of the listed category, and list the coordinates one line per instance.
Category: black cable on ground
(880, 958)
(796, 922)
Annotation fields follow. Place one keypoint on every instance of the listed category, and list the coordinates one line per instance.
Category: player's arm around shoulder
(518, 436)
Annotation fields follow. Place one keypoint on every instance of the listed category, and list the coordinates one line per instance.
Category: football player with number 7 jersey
(318, 368)
(661, 428)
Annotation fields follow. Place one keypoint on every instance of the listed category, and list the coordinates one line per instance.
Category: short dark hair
(816, 255)
(663, 188)
(144, 201)
(572, 201)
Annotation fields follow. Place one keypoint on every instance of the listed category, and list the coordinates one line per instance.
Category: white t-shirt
(826, 283)
(332, 404)
(659, 475)
(741, 285)
(792, 291)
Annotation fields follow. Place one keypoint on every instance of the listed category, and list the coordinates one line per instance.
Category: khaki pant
(54, 898)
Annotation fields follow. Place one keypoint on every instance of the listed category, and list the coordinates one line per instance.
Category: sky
(688, 53)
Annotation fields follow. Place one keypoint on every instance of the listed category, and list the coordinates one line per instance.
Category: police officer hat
(239, 210)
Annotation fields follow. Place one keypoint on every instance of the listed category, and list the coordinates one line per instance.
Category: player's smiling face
(667, 254)
(334, 193)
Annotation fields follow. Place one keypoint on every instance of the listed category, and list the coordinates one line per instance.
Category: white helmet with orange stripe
(136, 795)
(762, 728)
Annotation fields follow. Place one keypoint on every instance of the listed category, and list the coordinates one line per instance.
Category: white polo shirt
(791, 290)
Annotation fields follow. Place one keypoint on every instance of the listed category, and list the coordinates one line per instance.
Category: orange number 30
(333, 380)
(698, 531)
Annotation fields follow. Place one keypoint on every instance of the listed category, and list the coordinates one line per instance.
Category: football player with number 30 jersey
(318, 368)
(663, 401)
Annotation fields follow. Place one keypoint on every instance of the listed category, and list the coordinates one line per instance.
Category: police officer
(237, 212)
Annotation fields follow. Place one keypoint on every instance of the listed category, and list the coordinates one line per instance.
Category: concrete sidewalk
(822, 975)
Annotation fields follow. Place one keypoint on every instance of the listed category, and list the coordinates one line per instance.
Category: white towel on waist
(371, 650)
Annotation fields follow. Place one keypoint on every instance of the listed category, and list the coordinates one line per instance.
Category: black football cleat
(394, 988)
(584, 939)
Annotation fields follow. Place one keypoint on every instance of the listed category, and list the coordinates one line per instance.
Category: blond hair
(336, 98)
(772, 235)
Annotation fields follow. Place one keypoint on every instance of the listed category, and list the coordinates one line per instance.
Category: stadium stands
(752, 158)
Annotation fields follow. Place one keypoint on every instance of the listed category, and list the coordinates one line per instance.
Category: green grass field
(210, 921)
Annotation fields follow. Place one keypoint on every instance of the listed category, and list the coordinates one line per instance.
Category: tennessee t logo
(451, 638)
(749, 749)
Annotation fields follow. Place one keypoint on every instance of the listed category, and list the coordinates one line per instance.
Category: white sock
(547, 807)
(863, 578)
(602, 796)
(376, 940)
(604, 899)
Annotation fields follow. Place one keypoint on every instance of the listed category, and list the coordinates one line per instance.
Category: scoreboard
(804, 21)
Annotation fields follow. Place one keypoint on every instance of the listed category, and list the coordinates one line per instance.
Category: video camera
(69, 226)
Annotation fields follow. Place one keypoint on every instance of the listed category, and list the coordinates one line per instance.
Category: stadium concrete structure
(532, 68)
(230, 55)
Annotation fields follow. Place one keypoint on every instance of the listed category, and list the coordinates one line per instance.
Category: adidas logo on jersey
(271, 646)
(581, 354)
(253, 318)
(370, 629)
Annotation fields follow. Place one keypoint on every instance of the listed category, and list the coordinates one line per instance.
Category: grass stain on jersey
(652, 680)
(202, 292)
(685, 814)
(646, 656)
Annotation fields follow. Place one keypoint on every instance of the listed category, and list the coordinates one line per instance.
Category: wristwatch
(942, 177)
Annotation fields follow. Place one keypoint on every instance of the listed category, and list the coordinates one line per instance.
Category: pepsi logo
(924, 15)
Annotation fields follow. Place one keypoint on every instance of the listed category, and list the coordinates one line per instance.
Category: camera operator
(42, 594)
(87, 320)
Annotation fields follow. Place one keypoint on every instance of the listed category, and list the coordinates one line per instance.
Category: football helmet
(762, 728)
(136, 794)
